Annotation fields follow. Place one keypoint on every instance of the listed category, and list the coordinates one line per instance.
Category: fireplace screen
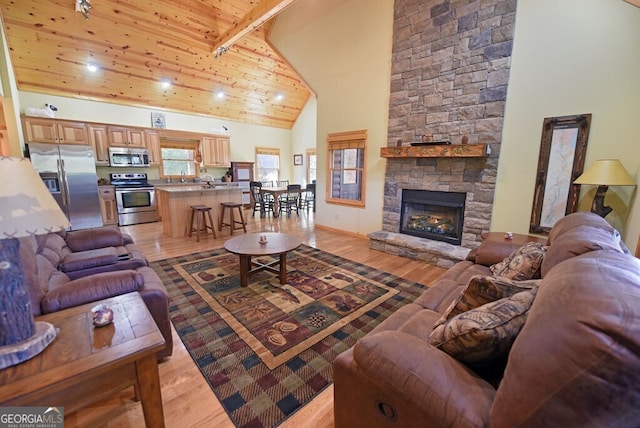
(433, 215)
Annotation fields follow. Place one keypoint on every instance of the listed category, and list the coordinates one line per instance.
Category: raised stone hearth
(433, 252)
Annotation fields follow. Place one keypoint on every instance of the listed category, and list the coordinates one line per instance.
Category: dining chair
(291, 200)
(283, 183)
(308, 199)
(262, 203)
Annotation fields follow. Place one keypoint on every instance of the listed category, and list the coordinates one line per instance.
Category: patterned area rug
(266, 349)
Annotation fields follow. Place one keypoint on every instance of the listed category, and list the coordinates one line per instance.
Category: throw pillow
(524, 263)
(484, 333)
(485, 289)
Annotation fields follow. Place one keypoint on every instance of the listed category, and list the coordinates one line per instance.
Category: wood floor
(187, 398)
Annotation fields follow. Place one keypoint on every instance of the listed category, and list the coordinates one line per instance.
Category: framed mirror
(562, 152)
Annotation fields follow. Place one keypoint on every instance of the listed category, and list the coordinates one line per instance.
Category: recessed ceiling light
(279, 96)
(219, 94)
(92, 67)
(165, 83)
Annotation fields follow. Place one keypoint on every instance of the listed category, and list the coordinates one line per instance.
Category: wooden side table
(85, 363)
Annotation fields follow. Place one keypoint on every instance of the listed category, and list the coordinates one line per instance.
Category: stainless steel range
(135, 198)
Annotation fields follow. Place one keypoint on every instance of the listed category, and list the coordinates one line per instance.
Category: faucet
(182, 178)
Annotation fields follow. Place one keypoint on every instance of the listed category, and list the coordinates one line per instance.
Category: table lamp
(604, 173)
(26, 208)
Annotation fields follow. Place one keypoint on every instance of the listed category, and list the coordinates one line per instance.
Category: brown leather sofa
(70, 269)
(575, 363)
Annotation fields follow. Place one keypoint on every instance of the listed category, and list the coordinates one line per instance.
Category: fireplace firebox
(433, 215)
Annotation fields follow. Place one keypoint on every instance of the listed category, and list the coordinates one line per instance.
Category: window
(267, 164)
(178, 157)
(346, 167)
(311, 165)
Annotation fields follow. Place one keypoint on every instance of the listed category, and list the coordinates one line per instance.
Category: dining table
(276, 192)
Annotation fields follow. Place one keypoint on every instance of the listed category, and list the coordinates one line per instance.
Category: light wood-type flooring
(187, 398)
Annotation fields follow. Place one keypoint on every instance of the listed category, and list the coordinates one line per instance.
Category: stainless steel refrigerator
(69, 172)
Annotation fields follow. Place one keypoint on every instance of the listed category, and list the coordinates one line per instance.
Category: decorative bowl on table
(102, 315)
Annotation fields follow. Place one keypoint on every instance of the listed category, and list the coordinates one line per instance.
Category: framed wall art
(297, 159)
(157, 120)
(562, 152)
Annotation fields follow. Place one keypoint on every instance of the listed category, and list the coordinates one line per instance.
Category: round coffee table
(248, 245)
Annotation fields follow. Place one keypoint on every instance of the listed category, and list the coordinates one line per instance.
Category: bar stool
(232, 221)
(198, 211)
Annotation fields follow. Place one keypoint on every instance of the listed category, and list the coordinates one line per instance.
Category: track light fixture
(221, 51)
(83, 6)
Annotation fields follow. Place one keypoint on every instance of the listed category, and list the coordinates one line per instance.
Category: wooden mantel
(436, 151)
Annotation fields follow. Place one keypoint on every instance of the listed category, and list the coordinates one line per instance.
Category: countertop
(192, 183)
(194, 187)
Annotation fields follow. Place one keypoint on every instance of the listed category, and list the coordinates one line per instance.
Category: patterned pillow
(486, 332)
(485, 289)
(524, 263)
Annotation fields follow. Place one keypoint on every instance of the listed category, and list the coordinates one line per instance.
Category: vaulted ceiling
(137, 43)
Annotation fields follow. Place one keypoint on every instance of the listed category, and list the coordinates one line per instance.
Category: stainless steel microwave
(122, 156)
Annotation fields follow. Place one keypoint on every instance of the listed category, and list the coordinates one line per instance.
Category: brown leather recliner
(575, 363)
(89, 251)
(92, 275)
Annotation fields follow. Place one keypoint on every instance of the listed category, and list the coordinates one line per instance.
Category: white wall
(303, 137)
(571, 57)
(244, 137)
(342, 48)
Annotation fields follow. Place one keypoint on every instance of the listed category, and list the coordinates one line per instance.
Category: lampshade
(26, 205)
(26, 208)
(606, 172)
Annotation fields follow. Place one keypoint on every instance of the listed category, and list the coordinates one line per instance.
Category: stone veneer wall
(450, 69)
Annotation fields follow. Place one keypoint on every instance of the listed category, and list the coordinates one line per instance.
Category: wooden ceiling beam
(257, 16)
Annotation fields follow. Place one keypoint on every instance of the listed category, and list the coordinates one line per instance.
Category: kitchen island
(174, 204)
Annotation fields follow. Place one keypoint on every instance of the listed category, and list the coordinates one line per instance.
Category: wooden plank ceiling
(137, 43)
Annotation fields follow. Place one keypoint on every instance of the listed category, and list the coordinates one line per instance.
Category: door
(243, 175)
(216, 151)
(72, 133)
(135, 200)
(98, 139)
(137, 138)
(45, 159)
(108, 205)
(40, 130)
(126, 137)
(153, 145)
(81, 186)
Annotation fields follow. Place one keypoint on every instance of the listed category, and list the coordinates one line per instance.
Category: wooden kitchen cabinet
(153, 145)
(99, 140)
(126, 137)
(108, 205)
(216, 151)
(43, 130)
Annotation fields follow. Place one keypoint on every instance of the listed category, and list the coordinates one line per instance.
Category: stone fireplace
(450, 70)
(433, 215)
